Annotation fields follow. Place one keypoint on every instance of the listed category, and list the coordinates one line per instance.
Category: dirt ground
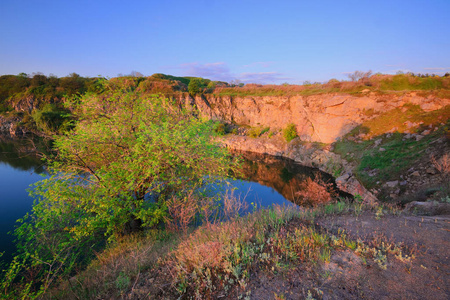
(349, 276)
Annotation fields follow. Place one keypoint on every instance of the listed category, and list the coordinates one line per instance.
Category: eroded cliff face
(10, 125)
(318, 118)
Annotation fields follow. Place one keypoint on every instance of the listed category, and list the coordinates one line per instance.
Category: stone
(415, 174)
(343, 178)
(382, 149)
(392, 184)
(378, 142)
(426, 132)
(419, 137)
(428, 208)
(431, 170)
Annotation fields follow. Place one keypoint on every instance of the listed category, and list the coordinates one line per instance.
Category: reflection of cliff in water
(282, 174)
(23, 153)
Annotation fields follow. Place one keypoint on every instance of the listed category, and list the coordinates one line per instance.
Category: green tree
(195, 86)
(126, 157)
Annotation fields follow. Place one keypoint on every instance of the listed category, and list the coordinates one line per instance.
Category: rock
(378, 142)
(419, 137)
(426, 132)
(343, 178)
(428, 208)
(392, 184)
(364, 91)
(382, 149)
(431, 170)
(430, 106)
(410, 124)
(415, 174)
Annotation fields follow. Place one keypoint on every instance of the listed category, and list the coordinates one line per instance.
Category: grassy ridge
(376, 83)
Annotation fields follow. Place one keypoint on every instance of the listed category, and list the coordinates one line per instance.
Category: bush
(290, 132)
(220, 128)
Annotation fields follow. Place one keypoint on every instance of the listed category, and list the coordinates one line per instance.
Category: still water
(263, 181)
(20, 166)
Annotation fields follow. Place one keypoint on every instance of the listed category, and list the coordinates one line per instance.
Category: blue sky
(251, 41)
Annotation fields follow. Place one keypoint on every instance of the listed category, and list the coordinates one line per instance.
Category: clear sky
(252, 41)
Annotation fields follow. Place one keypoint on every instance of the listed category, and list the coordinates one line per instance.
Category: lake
(264, 180)
(20, 166)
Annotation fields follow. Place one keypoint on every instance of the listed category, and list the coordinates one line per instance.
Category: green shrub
(255, 132)
(50, 119)
(290, 132)
(220, 128)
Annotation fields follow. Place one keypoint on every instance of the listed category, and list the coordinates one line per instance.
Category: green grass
(399, 154)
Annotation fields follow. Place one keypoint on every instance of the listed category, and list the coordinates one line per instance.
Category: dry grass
(233, 205)
(117, 269)
(381, 83)
(181, 211)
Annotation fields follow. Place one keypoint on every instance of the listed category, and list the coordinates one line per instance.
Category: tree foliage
(126, 157)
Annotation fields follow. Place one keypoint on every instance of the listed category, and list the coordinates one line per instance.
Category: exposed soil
(349, 276)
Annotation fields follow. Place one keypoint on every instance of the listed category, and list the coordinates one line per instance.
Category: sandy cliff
(318, 118)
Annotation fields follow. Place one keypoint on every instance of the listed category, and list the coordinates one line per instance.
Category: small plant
(290, 132)
(310, 296)
(381, 259)
(379, 213)
(122, 281)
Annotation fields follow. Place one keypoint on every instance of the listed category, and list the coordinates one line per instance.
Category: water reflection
(20, 166)
(23, 153)
(283, 175)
